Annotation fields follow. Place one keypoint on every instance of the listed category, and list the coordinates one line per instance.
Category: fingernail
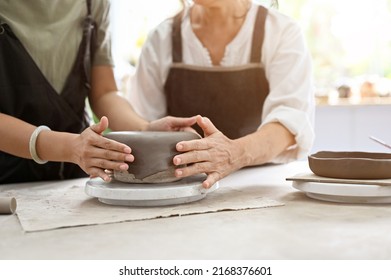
(127, 150)
(178, 173)
(179, 147)
(129, 158)
(177, 161)
(124, 167)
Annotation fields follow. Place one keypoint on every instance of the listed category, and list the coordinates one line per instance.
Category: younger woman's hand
(172, 124)
(95, 153)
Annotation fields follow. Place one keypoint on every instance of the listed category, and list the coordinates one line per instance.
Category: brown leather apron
(232, 97)
(27, 95)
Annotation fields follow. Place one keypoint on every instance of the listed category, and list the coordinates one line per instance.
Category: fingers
(190, 129)
(199, 168)
(211, 180)
(97, 172)
(110, 145)
(191, 145)
(181, 122)
(206, 125)
(216, 155)
(96, 153)
(98, 160)
(192, 157)
(171, 124)
(107, 164)
(107, 154)
(101, 126)
(191, 170)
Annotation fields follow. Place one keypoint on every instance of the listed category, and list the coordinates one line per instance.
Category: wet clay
(351, 165)
(153, 152)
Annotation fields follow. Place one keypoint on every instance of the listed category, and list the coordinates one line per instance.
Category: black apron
(232, 97)
(27, 95)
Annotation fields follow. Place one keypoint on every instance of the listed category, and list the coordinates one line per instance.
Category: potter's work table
(303, 228)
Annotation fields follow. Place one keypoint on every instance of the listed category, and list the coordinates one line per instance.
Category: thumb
(101, 126)
(206, 125)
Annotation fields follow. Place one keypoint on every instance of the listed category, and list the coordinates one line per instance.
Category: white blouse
(285, 58)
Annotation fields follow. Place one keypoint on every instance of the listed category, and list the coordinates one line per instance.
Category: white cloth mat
(61, 205)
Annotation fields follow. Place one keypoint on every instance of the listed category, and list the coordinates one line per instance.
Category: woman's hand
(95, 153)
(172, 124)
(216, 155)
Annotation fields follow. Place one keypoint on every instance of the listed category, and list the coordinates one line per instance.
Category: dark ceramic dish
(351, 165)
(153, 152)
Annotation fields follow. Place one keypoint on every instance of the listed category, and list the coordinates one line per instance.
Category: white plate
(345, 193)
(117, 193)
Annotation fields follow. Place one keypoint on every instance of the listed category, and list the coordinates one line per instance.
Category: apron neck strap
(88, 2)
(177, 38)
(258, 35)
(257, 40)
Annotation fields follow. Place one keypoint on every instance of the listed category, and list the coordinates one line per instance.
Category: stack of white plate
(343, 190)
(350, 177)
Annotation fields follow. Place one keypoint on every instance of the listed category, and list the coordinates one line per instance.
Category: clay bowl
(153, 152)
(351, 165)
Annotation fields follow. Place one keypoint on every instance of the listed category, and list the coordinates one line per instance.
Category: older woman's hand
(216, 155)
(95, 153)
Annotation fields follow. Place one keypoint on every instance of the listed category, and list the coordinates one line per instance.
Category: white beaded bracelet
(33, 142)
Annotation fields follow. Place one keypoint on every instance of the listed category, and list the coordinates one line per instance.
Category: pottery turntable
(158, 194)
(347, 177)
(150, 179)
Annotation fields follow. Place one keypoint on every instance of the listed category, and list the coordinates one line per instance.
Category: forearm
(119, 112)
(56, 146)
(16, 135)
(265, 144)
(105, 100)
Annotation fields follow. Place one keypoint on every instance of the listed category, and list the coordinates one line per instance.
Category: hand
(95, 153)
(216, 155)
(172, 124)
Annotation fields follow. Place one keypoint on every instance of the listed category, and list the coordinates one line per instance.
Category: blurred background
(350, 43)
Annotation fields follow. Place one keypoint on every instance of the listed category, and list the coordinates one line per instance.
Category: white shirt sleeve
(288, 69)
(146, 87)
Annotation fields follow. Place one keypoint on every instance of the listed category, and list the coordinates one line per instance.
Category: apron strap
(78, 85)
(177, 38)
(88, 29)
(258, 35)
(89, 7)
(257, 40)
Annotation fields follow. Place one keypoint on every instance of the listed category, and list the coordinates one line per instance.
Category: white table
(302, 229)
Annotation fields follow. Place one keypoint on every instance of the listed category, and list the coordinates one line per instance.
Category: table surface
(303, 228)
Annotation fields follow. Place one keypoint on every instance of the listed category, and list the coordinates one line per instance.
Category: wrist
(145, 125)
(57, 146)
(253, 150)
